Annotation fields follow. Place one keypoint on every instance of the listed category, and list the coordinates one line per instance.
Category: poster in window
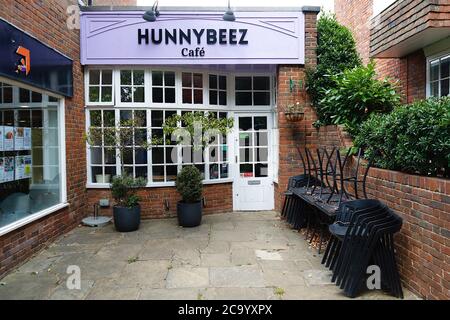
(1, 142)
(18, 139)
(8, 169)
(27, 167)
(8, 138)
(26, 138)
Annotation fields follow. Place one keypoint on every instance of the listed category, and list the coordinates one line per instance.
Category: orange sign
(24, 65)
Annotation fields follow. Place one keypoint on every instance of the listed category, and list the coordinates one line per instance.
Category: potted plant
(126, 211)
(189, 185)
(294, 112)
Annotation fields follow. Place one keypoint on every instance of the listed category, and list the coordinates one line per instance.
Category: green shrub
(336, 52)
(358, 93)
(124, 188)
(413, 138)
(189, 184)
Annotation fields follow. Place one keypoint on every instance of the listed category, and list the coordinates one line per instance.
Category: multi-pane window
(100, 86)
(192, 87)
(439, 77)
(165, 154)
(133, 128)
(28, 96)
(163, 86)
(132, 86)
(252, 91)
(217, 152)
(6, 93)
(102, 149)
(217, 90)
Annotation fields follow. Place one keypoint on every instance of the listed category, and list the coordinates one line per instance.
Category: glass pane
(157, 78)
(243, 98)
(170, 95)
(107, 77)
(246, 170)
(36, 97)
(434, 89)
(261, 170)
(157, 155)
(186, 79)
(36, 118)
(245, 123)
(222, 82)
(111, 171)
(125, 77)
(169, 79)
(139, 94)
(8, 118)
(246, 155)
(157, 95)
(223, 98)
(94, 94)
(7, 94)
(198, 96)
(110, 156)
(96, 136)
(109, 118)
(141, 172)
(97, 174)
(24, 118)
(94, 77)
(224, 156)
(214, 171)
(24, 95)
(224, 170)
(261, 98)
(109, 137)
(213, 97)
(157, 118)
(198, 80)
(261, 83)
(260, 123)
(262, 139)
(140, 156)
(96, 155)
(444, 87)
(125, 117)
(212, 81)
(128, 156)
(445, 68)
(171, 155)
(106, 94)
(214, 154)
(138, 78)
(187, 95)
(201, 168)
(125, 94)
(140, 118)
(158, 173)
(243, 83)
(140, 136)
(261, 154)
(128, 171)
(245, 139)
(171, 172)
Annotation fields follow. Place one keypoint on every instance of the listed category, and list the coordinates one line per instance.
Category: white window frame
(87, 85)
(429, 60)
(252, 91)
(218, 90)
(62, 153)
(147, 88)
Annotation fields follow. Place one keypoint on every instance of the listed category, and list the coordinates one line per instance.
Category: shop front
(189, 61)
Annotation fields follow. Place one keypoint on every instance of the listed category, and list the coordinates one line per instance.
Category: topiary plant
(189, 184)
(124, 189)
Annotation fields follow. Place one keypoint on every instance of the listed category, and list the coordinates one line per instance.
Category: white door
(253, 182)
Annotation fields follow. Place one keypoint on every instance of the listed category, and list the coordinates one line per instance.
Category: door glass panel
(245, 123)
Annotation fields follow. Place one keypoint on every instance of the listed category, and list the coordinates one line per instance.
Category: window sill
(156, 185)
(20, 223)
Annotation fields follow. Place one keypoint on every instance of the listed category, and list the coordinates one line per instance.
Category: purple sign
(125, 38)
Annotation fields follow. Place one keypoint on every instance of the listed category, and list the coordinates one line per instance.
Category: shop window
(30, 173)
(192, 87)
(252, 91)
(439, 77)
(100, 87)
(6, 93)
(217, 90)
(132, 86)
(163, 87)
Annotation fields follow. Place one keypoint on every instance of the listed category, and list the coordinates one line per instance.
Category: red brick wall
(416, 76)
(219, 198)
(113, 2)
(48, 23)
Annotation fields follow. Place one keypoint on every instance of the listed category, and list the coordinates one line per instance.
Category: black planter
(127, 219)
(189, 214)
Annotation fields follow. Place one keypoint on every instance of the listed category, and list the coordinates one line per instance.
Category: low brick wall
(219, 198)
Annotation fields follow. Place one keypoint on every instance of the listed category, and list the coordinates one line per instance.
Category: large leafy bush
(336, 52)
(356, 94)
(189, 184)
(413, 138)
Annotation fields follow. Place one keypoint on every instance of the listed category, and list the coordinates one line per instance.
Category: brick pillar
(295, 135)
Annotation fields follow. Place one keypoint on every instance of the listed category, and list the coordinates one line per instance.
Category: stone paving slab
(237, 255)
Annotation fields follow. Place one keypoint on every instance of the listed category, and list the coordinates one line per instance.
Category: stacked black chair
(363, 236)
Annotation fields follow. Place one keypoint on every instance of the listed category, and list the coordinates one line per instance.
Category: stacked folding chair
(363, 236)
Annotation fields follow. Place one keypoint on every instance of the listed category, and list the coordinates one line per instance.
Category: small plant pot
(189, 214)
(127, 219)
(294, 116)
(99, 178)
